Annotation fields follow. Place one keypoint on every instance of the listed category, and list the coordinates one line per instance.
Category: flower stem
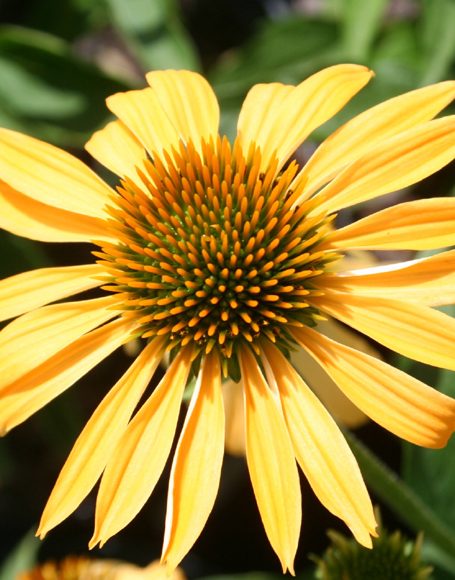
(399, 497)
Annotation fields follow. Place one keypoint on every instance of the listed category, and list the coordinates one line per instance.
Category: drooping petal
(196, 468)
(51, 175)
(364, 131)
(98, 439)
(423, 224)
(141, 453)
(189, 102)
(35, 389)
(271, 463)
(279, 117)
(234, 411)
(29, 340)
(392, 164)
(338, 405)
(415, 331)
(322, 451)
(142, 113)
(392, 398)
(29, 290)
(429, 281)
(23, 216)
(116, 148)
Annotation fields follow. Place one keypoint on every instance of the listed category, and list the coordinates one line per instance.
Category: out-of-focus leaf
(19, 254)
(438, 39)
(21, 559)
(47, 91)
(154, 33)
(361, 22)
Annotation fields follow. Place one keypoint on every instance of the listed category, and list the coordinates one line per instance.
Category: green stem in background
(400, 498)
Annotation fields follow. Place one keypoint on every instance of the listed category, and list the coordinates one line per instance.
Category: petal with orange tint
(196, 469)
(234, 411)
(429, 281)
(189, 102)
(142, 113)
(51, 175)
(97, 441)
(322, 451)
(29, 340)
(26, 217)
(391, 165)
(141, 453)
(423, 224)
(271, 463)
(395, 400)
(116, 148)
(278, 118)
(360, 134)
(415, 331)
(37, 388)
(30, 290)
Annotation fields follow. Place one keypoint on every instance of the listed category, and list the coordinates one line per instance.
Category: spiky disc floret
(213, 252)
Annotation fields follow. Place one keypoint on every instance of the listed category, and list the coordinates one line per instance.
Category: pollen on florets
(214, 253)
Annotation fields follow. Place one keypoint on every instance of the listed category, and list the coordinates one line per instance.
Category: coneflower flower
(226, 257)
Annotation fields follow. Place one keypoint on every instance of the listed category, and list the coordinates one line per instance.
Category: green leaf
(438, 39)
(47, 91)
(361, 23)
(154, 33)
(21, 559)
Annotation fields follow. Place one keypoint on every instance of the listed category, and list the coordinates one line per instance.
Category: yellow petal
(34, 390)
(189, 102)
(141, 453)
(392, 164)
(29, 340)
(360, 134)
(415, 331)
(196, 469)
(30, 290)
(143, 115)
(97, 441)
(398, 402)
(23, 216)
(116, 148)
(325, 388)
(424, 224)
(234, 410)
(322, 451)
(429, 281)
(278, 118)
(51, 175)
(271, 463)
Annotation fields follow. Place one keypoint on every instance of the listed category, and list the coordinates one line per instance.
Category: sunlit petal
(99, 437)
(429, 281)
(395, 400)
(412, 330)
(271, 463)
(376, 124)
(24, 292)
(116, 148)
(423, 224)
(51, 175)
(141, 111)
(189, 102)
(31, 391)
(24, 216)
(141, 453)
(393, 164)
(322, 451)
(278, 118)
(29, 340)
(196, 468)
(234, 410)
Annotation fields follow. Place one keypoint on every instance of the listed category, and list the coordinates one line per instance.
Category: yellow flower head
(225, 257)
